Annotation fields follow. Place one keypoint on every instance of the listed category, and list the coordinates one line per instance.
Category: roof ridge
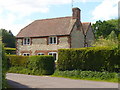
(53, 18)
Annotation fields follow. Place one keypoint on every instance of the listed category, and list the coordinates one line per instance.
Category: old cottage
(46, 36)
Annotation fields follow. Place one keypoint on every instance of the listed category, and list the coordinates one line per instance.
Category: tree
(112, 36)
(104, 28)
(119, 41)
(110, 41)
(114, 22)
(8, 38)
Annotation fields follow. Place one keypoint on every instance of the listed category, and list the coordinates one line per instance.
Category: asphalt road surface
(31, 81)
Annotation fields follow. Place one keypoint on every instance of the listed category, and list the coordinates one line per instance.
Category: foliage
(119, 41)
(90, 75)
(104, 28)
(92, 58)
(8, 38)
(4, 65)
(41, 65)
(18, 60)
(21, 70)
(34, 65)
(114, 22)
(112, 36)
(1, 74)
(111, 41)
(10, 50)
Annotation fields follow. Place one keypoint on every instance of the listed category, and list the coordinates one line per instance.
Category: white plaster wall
(77, 38)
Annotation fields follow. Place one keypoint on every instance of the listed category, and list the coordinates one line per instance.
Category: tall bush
(41, 65)
(34, 65)
(4, 66)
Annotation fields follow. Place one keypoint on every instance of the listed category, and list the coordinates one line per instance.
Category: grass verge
(88, 75)
(20, 70)
(74, 74)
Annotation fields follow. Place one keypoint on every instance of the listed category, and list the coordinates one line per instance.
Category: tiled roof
(51, 27)
(85, 26)
(48, 27)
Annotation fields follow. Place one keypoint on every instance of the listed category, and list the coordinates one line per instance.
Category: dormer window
(52, 40)
(26, 41)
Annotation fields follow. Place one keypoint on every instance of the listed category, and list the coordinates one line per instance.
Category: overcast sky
(16, 14)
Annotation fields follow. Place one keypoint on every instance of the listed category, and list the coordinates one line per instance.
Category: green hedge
(92, 58)
(34, 65)
(16, 60)
(10, 51)
(41, 64)
(4, 68)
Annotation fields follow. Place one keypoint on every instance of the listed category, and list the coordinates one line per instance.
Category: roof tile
(48, 27)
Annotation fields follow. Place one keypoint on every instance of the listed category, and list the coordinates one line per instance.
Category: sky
(16, 14)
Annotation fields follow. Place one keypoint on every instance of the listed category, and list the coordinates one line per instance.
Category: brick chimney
(76, 13)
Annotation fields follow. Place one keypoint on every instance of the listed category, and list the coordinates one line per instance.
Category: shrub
(10, 50)
(91, 58)
(34, 65)
(41, 65)
(21, 70)
(4, 64)
(91, 75)
(18, 60)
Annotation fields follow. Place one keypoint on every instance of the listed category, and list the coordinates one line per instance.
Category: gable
(85, 27)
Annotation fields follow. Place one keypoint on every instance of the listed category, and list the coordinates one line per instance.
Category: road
(31, 81)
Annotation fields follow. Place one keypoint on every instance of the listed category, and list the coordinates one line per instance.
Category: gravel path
(31, 81)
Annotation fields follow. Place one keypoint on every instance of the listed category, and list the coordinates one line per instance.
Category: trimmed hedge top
(12, 49)
(90, 58)
(16, 60)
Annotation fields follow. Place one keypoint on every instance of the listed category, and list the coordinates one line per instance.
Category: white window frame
(25, 41)
(26, 54)
(52, 37)
(54, 53)
(40, 53)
